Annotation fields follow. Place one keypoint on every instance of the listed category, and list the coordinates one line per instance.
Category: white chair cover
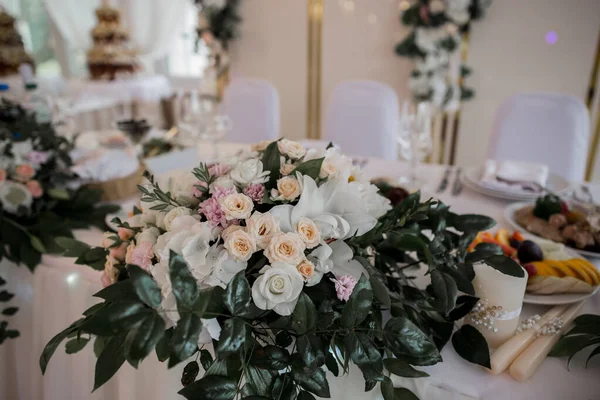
(253, 106)
(363, 119)
(546, 128)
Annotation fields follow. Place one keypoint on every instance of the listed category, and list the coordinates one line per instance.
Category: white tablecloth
(62, 290)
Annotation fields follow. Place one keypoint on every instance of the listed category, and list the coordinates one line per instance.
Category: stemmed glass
(414, 140)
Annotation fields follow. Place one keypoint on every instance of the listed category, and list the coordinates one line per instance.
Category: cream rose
(174, 213)
(149, 235)
(287, 248)
(262, 227)
(288, 188)
(287, 169)
(308, 232)
(278, 288)
(229, 230)
(293, 150)
(240, 245)
(328, 170)
(306, 269)
(236, 206)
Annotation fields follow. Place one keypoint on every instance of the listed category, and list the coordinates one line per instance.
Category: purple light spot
(551, 37)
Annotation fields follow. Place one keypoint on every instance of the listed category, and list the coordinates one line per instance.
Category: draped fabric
(151, 23)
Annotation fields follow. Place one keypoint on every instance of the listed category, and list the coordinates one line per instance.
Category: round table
(60, 290)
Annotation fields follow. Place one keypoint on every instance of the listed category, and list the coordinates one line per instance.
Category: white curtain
(151, 23)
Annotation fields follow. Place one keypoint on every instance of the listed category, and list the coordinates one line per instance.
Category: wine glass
(218, 127)
(414, 140)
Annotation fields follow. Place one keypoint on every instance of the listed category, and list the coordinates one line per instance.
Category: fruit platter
(556, 274)
(554, 219)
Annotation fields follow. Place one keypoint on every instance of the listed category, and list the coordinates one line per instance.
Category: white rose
(437, 6)
(236, 206)
(249, 171)
(328, 170)
(336, 165)
(262, 227)
(288, 188)
(230, 229)
(182, 189)
(374, 203)
(261, 146)
(308, 232)
(216, 4)
(287, 248)
(278, 288)
(223, 182)
(149, 235)
(240, 245)
(293, 150)
(174, 213)
(211, 330)
(14, 195)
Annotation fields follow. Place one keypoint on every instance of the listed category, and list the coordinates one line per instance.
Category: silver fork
(444, 183)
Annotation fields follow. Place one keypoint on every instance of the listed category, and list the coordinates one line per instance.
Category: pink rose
(125, 233)
(344, 286)
(142, 256)
(119, 252)
(25, 172)
(2, 175)
(35, 188)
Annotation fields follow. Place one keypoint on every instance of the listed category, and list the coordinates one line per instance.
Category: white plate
(556, 299)
(509, 215)
(472, 175)
(123, 214)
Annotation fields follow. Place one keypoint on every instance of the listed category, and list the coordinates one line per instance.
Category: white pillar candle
(496, 315)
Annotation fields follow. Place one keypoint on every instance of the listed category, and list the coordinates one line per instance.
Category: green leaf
(272, 162)
(380, 291)
(470, 344)
(212, 387)
(58, 194)
(409, 343)
(312, 380)
(490, 248)
(98, 346)
(506, 265)
(587, 319)
(237, 296)
(404, 394)
(464, 305)
(311, 350)
(190, 373)
(162, 347)
(261, 380)
(10, 311)
(37, 244)
(119, 291)
(144, 286)
(115, 318)
(73, 248)
(304, 317)
(594, 353)
(185, 338)
(472, 223)
(359, 305)
(311, 168)
(403, 369)
(184, 285)
(332, 364)
(387, 389)
(305, 396)
(50, 348)
(141, 340)
(234, 335)
(205, 359)
(362, 350)
(75, 345)
(110, 360)
(408, 242)
(284, 388)
(5, 296)
(569, 345)
(445, 291)
(271, 357)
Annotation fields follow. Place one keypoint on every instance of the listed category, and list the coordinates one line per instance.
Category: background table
(60, 290)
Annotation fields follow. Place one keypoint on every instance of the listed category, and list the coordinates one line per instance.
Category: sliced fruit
(586, 268)
(543, 269)
(503, 236)
(517, 236)
(478, 239)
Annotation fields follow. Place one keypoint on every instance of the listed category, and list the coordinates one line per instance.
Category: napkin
(514, 176)
(107, 165)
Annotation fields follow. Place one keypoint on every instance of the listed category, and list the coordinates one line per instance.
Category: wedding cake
(111, 54)
(12, 52)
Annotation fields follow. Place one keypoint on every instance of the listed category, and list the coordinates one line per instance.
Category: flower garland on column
(218, 24)
(439, 27)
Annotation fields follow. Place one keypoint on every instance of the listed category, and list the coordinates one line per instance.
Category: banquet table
(59, 291)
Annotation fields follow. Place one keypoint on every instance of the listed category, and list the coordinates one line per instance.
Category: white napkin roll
(108, 165)
(514, 176)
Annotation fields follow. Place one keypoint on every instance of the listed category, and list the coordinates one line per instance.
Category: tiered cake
(12, 52)
(111, 54)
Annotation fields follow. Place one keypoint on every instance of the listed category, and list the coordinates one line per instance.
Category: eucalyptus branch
(157, 195)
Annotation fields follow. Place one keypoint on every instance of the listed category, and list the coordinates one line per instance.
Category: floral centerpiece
(39, 198)
(284, 262)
